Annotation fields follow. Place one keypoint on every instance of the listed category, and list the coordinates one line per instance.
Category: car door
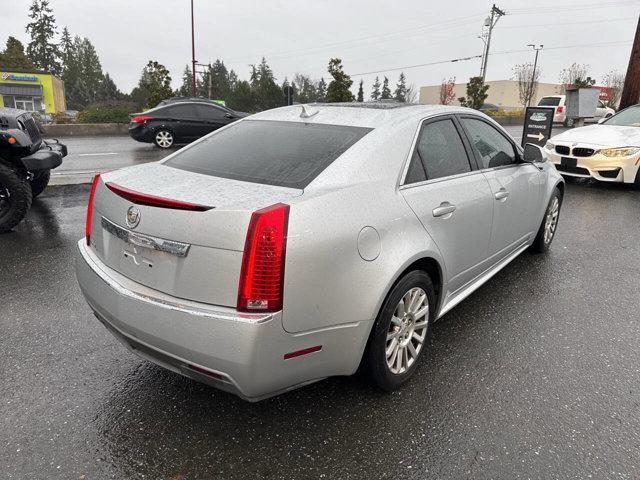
(187, 125)
(451, 198)
(212, 117)
(515, 186)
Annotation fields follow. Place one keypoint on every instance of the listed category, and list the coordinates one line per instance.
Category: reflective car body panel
(353, 230)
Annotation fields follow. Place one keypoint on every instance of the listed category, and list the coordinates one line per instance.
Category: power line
(443, 25)
(526, 25)
(504, 52)
(568, 7)
(406, 67)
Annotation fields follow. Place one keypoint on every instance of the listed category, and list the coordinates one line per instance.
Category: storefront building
(35, 91)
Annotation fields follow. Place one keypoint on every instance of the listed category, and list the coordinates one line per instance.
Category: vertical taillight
(262, 274)
(94, 185)
(559, 109)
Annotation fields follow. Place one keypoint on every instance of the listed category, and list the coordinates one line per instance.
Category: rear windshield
(549, 102)
(286, 154)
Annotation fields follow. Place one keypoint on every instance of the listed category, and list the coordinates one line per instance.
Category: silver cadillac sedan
(306, 241)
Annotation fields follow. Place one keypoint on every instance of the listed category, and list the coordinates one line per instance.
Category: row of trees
(75, 60)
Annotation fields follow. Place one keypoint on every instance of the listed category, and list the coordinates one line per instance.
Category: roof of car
(364, 114)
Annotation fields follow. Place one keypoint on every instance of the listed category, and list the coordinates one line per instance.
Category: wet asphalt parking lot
(536, 375)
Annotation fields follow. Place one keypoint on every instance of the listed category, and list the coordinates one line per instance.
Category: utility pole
(193, 55)
(533, 75)
(631, 91)
(490, 22)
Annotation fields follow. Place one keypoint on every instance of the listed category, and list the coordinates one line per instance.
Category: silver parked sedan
(300, 242)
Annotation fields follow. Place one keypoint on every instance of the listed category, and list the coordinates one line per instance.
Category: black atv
(26, 161)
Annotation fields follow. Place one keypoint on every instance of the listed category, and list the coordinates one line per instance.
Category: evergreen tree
(66, 51)
(85, 74)
(266, 91)
(306, 89)
(187, 78)
(321, 91)
(154, 85)
(386, 91)
(375, 92)
(233, 79)
(401, 89)
(361, 92)
(202, 83)
(13, 56)
(338, 89)
(476, 93)
(241, 97)
(220, 84)
(42, 28)
(108, 90)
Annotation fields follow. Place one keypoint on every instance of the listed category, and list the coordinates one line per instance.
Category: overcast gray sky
(371, 35)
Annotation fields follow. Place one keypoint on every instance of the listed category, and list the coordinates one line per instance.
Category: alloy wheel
(164, 139)
(551, 221)
(407, 331)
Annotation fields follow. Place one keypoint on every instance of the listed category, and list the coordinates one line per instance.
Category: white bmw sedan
(609, 151)
(302, 242)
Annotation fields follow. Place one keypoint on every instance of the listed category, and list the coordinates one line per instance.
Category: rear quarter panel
(327, 281)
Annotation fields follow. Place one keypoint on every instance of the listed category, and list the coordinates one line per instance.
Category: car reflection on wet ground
(534, 376)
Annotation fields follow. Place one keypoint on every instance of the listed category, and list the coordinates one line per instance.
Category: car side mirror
(533, 154)
(229, 115)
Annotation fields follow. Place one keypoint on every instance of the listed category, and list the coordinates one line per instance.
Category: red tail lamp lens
(141, 119)
(262, 274)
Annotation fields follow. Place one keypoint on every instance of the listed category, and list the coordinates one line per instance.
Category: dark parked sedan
(182, 122)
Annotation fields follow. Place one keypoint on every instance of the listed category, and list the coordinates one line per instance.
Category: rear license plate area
(568, 162)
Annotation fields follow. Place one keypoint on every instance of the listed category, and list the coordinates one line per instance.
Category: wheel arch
(427, 262)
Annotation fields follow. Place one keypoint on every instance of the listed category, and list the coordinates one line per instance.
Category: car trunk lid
(187, 253)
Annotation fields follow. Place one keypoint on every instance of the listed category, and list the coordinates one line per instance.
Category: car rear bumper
(599, 167)
(140, 133)
(237, 352)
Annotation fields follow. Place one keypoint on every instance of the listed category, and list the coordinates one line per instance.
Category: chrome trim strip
(165, 301)
(146, 241)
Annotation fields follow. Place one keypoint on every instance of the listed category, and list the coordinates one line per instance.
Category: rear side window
(440, 151)
(286, 154)
(208, 112)
(179, 111)
(549, 102)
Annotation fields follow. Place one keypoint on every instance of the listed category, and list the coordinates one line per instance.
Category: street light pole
(533, 75)
(193, 55)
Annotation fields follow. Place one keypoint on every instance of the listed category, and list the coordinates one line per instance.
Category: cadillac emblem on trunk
(133, 217)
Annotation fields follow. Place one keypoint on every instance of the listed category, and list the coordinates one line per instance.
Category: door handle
(501, 194)
(444, 209)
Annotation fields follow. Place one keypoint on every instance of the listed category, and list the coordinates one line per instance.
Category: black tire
(163, 133)
(376, 359)
(15, 198)
(636, 182)
(569, 122)
(39, 182)
(542, 243)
